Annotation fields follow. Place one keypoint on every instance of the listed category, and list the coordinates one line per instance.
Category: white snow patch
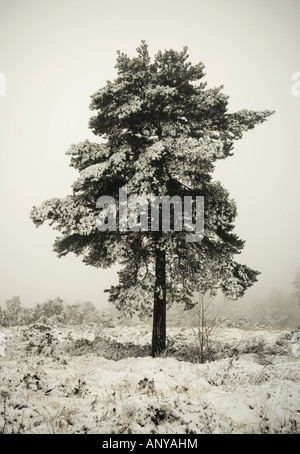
(60, 393)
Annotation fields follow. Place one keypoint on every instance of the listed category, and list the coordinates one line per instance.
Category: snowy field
(85, 380)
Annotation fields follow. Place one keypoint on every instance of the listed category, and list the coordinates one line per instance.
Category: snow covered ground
(86, 380)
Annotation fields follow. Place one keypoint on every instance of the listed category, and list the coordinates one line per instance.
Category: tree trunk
(160, 303)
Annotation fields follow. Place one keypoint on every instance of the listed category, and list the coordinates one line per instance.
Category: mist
(54, 55)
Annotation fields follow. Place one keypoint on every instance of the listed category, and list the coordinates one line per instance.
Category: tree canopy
(162, 131)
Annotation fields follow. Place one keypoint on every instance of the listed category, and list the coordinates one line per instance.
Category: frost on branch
(86, 154)
(65, 215)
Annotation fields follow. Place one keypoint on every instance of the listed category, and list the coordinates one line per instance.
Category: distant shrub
(79, 313)
(53, 312)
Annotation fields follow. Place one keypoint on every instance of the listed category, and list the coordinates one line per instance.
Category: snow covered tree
(161, 130)
(13, 311)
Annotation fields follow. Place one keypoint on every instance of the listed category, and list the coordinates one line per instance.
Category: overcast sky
(56, 53)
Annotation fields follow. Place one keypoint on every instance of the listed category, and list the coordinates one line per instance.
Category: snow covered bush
(2, 344)
(296, 344)
(204, 324)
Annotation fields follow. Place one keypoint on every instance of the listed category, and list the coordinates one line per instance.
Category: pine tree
(162, 132)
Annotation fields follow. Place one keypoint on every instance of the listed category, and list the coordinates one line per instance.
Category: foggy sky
(55, 54)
